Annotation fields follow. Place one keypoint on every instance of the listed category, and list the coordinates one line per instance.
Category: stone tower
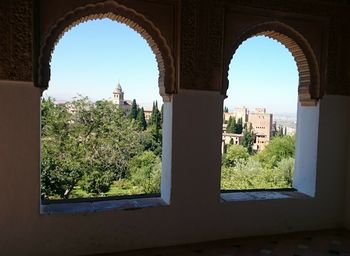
(118, 95)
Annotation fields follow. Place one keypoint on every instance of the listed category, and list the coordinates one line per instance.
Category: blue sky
(92, 57)
(263, 72)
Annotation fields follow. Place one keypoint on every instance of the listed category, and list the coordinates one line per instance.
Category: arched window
(269, 112)
(260, 116)
(101, 136)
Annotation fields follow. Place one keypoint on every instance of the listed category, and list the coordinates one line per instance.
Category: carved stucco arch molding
(308, 68)
(122, 14)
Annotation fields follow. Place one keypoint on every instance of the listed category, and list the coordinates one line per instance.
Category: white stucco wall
(306, 149)
(195, 212)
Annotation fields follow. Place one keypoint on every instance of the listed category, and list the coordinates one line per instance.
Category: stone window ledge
(85, 206)
(260, 195)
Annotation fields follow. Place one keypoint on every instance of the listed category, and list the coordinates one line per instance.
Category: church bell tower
(118, 95)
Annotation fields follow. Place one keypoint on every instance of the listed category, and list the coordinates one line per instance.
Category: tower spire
(118, 95)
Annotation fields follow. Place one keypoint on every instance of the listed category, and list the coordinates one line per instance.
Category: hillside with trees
(270, 168)
(94, 149)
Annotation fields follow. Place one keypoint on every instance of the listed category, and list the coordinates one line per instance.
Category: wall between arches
(195, 212)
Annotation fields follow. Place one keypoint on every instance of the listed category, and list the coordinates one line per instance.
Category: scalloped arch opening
(309, 84)
(119, 13)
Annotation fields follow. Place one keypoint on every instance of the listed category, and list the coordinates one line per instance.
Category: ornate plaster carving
(308, 68)
(188, 42)
(308, 7)
(114, 11)
(333, 57)
(16, 40)
(338, 76)
(201, 44)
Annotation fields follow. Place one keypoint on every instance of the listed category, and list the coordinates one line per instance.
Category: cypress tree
(248, 139)
(134, 110)
(234, 125)
(239, 126)
(141, 119)
(156, 116)
(154, 113)
(229, 125)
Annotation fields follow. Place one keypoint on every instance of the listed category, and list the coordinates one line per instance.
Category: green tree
(248, 139)
(151, 140)
(141, 119)
(239, 126)
(134, 110)
(234, 126)
(244, 175)
(277, 149)
(81, 140)
(98, 182)
(155, 127)
(251, 174)
(280, 131)
(234, 153)
(226, 109)
(145, 172)
(286, 168)
(229, 125)
(155, 118)
(63, 155)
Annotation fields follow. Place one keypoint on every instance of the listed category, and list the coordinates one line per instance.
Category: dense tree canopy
(88, 145)
(234, 126)
(145, 172)
(269, 168)
(234, 154)
(277, 149)
(95, 149)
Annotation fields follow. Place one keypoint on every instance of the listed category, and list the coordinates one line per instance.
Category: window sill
(260, 195)
(69, 207)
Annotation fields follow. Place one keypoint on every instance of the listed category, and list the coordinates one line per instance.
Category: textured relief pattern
(291, 6)
(201, 44)
(216, 32)
(333, 71)
(202, 47)
(120, 13)
(338, 77)
(16, 40)
(332, 57)
(188, 42)
(5, 42)
(308, 67)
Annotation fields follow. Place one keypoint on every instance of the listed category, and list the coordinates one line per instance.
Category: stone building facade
(261, 123)
(259, 120)
(239, 112)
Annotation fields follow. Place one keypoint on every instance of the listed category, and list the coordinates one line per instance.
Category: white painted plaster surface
(306, 149)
